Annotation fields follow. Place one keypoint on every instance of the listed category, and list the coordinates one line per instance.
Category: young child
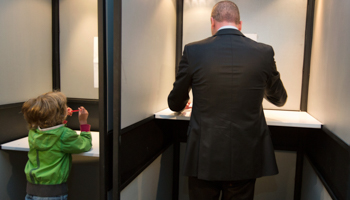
(51, 145)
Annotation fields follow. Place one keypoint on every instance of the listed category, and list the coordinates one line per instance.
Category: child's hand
(69, 111)
(83, 115)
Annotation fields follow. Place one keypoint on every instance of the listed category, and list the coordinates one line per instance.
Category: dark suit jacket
(228, 138)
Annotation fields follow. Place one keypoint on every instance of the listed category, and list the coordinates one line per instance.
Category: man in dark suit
(228, 144)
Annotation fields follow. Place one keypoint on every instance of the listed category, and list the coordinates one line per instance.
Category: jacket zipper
(38, 166)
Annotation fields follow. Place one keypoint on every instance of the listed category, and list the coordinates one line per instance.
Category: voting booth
(119, 59)
(45, 46)
(286, 34)
(143, 86)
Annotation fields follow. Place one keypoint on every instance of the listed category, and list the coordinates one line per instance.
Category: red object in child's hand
(70, 111)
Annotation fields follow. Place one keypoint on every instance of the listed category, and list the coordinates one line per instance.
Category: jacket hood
(44, 139)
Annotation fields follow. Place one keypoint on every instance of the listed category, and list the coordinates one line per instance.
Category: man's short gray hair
(226, 11)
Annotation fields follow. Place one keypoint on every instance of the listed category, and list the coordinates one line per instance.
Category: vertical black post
(307, 54)
(176, 163)
(102, 75)
(176, 156)
(179, 30)
(299, 166)
(117, 65)
(56, 74)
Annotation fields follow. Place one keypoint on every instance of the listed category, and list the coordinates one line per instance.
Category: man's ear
(240, 26)
(212, 25)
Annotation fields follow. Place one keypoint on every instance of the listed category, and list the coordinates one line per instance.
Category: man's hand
(188, 105)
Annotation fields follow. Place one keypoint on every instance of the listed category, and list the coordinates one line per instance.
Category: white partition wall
(78, 27)
(148, 57)
(25, 72)
(25, 49)
(279, 23)
(329, 91)
(148, 71)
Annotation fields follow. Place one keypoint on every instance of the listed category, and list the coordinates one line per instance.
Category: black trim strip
(83, 100)
(299, 173)
(318, 173)
(140, 145)
(176, 167)
(117, 66)
(336, 139)
(102, 73)
(331, 157)
(179, 33)
(137, 124)
(56, 72)
(307, 54)
(11, 105)
(140, 170)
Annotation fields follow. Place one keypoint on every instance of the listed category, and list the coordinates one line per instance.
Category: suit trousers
(231, 190)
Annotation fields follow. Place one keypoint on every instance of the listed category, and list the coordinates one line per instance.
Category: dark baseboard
(136, 125)
(141, 143)
(91, 105)
(283, 138)
(330, 157)
(13, 124)
(287, 138)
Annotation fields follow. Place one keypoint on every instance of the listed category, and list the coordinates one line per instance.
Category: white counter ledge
(273, 118)
(22, 145)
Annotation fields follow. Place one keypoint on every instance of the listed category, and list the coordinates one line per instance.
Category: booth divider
(16, 125)
(330, 158)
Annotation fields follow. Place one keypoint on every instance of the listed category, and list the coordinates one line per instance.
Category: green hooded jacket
(49, 156)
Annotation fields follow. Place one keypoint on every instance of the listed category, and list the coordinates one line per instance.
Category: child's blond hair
(46, 110)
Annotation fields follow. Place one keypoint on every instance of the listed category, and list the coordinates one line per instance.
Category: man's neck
(216, 25)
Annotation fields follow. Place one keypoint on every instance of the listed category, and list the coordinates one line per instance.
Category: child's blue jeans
(31, 197)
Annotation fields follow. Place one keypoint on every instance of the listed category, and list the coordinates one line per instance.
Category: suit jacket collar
(228, 31)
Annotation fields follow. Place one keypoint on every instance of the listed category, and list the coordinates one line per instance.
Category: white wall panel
(148, 57)
(78, 27)
(25, 49)
(329, 91)
(279, 23)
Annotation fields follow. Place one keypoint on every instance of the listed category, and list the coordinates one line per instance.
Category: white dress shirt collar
(50, 128)
(227, 27)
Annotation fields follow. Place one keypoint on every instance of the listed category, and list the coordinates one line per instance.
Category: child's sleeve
(74, 143)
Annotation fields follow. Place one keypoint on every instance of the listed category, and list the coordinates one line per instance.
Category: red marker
(75, 111)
